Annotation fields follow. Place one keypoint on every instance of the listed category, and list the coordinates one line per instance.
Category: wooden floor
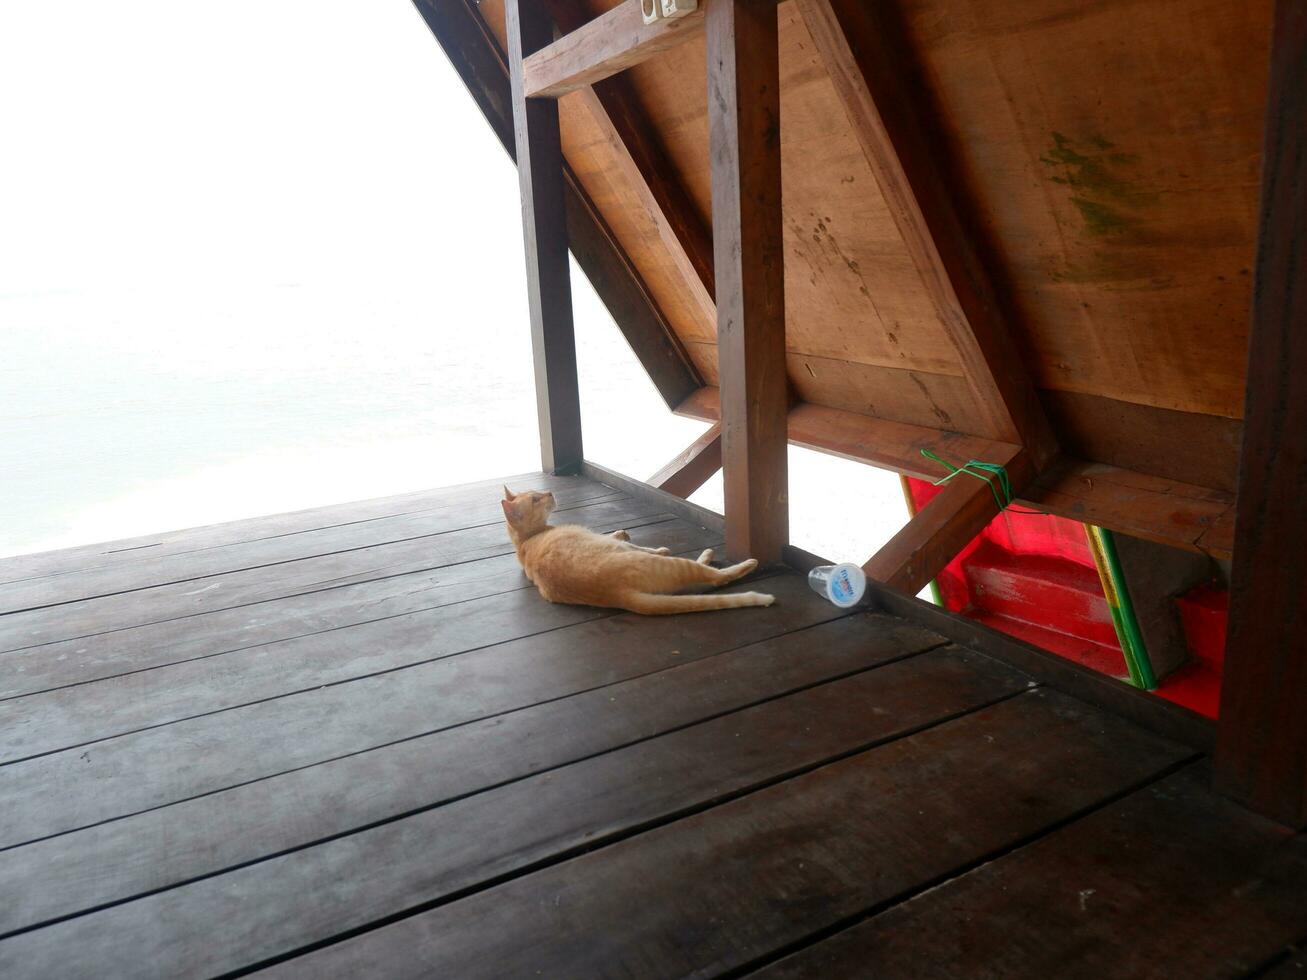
(355, 742)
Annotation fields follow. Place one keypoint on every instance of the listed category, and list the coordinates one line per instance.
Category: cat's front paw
(621, 535)
(662, 551)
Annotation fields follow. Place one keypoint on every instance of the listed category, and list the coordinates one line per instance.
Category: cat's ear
(509, 512)
(508, 494)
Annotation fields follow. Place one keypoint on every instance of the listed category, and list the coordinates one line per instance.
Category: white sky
(265, 255)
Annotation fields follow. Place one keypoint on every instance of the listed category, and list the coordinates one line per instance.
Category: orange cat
(577, 565)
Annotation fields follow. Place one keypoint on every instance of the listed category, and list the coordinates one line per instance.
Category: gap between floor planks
(47, 563)
(820, 725)
(101, 656)
(70, 789)
(99, 614)
(78, 715)
(714, 890)
(339, 796)
(174, 569)
(1170, 880)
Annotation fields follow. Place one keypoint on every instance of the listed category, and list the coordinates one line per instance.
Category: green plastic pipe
(1137, 663)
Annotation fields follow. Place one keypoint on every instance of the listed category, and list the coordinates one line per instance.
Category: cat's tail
(650, 604)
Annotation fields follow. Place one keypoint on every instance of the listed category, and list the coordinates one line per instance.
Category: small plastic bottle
(844, 584)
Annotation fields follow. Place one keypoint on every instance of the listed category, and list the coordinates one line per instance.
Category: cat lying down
(576, 565)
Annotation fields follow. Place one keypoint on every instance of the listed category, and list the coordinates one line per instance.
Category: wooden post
(544, 233)
(744, 145)
(1261, 756)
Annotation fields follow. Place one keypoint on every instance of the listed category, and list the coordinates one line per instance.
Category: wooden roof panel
(1108, 154)
(1112, 149)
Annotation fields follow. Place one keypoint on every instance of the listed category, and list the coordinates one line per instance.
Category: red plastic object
(1033, 576)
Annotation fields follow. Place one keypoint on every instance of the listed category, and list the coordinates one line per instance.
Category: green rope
(992, 473)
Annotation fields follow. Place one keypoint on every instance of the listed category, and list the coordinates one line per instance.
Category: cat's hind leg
(649, 604)
(651, 551)
(731, 572)
(681, 572)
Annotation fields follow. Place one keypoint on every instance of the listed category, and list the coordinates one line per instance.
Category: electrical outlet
(677, 8)
(652, 10)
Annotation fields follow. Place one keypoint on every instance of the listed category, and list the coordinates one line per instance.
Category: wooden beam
(643, 165)
(1261, 753)
(645, 169)
(863, 439)
(1180, 515)
(544, 234)
(744, 121)
(866, 55)
(941, 529)
(693, 466)
(610, 43)
(475, 55)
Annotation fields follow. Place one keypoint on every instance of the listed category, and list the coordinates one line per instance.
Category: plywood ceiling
(1109, 153)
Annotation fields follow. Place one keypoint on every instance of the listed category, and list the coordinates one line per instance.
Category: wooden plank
(1261, 755)
(162, 847)
(132, 773)
(125, 550)
(647, 175)
(878, 442)
(1176, 514)
(544, 235)
(717, 890)
(1185, 446)
(868, 62)
(645, 167)
(934, 535)
(614, 41)
(213, 587)
(1171, 881)
(1127, 226)
(1121, 699)
(274, 908)
(748, 241)
(660, 499)
(476, 56)
(238, 675)
(1168, 512)
(195, 636)
(147, 572)
(693, 466)
(84, 713)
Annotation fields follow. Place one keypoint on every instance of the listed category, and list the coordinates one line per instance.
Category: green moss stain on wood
(1104, 190)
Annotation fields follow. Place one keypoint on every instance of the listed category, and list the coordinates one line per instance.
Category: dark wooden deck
(355, 742)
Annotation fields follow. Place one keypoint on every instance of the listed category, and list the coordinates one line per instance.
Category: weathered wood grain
(749, 254)
(228, 580)
(507, 830)
(84, 557)
(716, 891)
(162, 847)
(1121, 893)
(610, 43)
(892, 116)
(131, 773)
(79, 661)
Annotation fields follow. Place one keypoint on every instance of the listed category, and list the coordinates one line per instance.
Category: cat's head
(528, 510)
